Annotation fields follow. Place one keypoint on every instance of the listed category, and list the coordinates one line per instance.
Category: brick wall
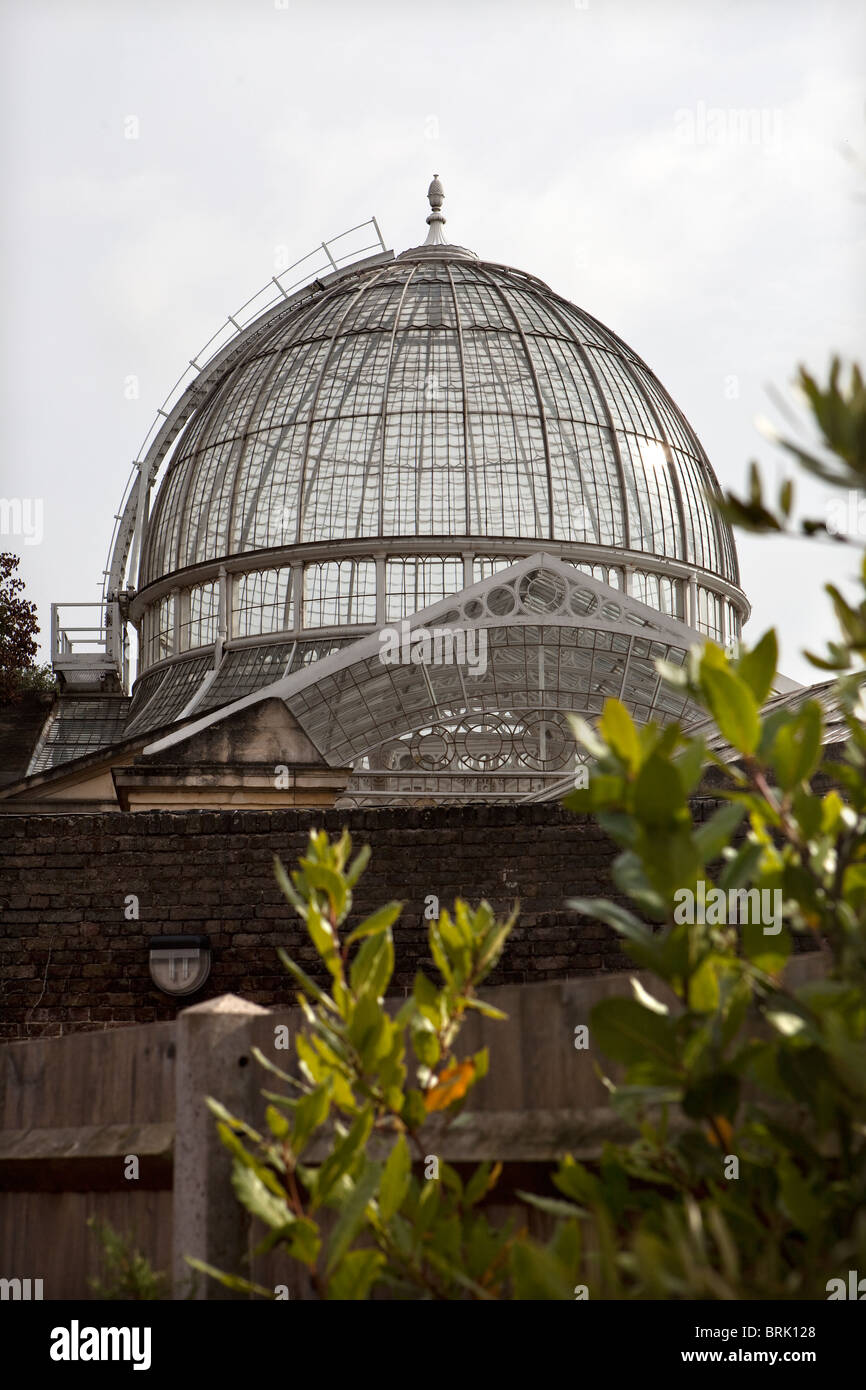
(70, 960)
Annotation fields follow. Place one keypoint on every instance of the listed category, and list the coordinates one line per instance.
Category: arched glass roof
(436, 396)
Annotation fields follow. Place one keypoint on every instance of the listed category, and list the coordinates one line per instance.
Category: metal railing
(98, 645)
(367, 787)
(327, 260)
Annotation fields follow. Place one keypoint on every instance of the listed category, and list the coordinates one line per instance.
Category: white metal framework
(555, 641)
(398, 435)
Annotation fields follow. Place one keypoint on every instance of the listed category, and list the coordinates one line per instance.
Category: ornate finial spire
(436, 222)
(436, 245)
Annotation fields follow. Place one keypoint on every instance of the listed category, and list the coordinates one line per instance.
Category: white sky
(557, 129)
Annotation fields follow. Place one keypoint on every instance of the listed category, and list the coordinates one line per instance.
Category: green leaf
(615, 916)
(379, 922)
(797, 1198)
(426, 1045)
(439, 954)
(355, 1277)
(672, 674)
(658, 792)
(358, 865)
(786, 497)
(308, 986)
(766, 952)
(343, 1155)
(492, 948)
(427, 999)
(270, 1066)
(352, 1215)
(258, 1200)
(483, 1180)
(482, 1007)
(414, 1111)
(537, 1274)
(276, 1122)
(327, 880)
(575, 1180)
(288, 888)
(217, 1108)
(704, 986)
(739, 870)
(617, 727)
(629, 1033)
(303, 1241)
(310, 1112)
(324, 941)
(787, 1022)
(553, 1206)
(630, 878)
(395, 1179)
(690, 764)
(644, 945)
(373, 966)
(796, 749)
(758, 667)
(669, 855)
(231, 1281)
(733, 706)
(712, 837)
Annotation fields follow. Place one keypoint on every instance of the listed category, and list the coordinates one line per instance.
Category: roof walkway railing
(326, 258)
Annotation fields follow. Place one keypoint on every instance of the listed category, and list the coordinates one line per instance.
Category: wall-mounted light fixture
(179, 964)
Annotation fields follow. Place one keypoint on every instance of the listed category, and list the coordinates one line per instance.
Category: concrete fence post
(212, 1060)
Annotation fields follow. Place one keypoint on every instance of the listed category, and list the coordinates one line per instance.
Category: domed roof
(436, 395)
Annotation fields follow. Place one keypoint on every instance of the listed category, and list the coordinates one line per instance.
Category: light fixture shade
(179, 964)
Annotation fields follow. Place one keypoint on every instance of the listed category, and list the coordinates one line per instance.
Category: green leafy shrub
(37, 680)
(128, 1275)
(373, 1084)
(744, 1067)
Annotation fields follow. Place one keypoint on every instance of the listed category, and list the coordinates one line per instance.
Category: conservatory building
(401, 522)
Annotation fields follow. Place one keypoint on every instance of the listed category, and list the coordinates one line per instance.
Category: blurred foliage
(31, 680)
(128, 1275)
(738, 1065)
(18, 629)
(839, 460)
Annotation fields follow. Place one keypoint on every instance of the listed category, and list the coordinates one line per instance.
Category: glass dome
(438, 396)
(397, 436)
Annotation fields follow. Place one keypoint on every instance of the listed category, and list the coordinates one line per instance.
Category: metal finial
(436, 196)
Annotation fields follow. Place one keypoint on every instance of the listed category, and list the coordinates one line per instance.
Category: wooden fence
(75, 1110)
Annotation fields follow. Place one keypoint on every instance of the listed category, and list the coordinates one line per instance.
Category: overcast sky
(598, 145)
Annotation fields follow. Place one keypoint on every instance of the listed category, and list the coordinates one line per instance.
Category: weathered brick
(70, 960)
